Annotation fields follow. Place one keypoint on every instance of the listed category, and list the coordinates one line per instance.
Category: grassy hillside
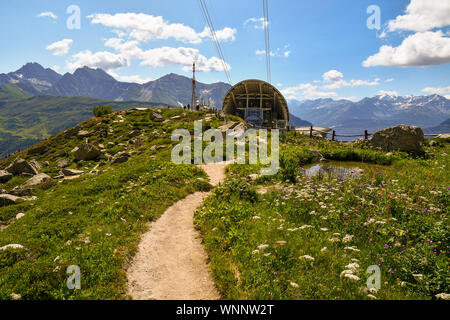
(25, 121)
(288, 236)
(93, 221)
(293, 236)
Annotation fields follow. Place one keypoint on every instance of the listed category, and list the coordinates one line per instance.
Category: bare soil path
(171, 263)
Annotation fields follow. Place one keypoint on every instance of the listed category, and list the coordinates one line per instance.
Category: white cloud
(60, 48)
(263, 52)
(423, 15)
(103, 60)
(443, 91)
(336, 80)
(226, 34)
(332, 76)
(160, 57)
(384, 93)
(144, 27)
(307, 91)
(420, 49)
(131, 79)
(128, 49)
(257, 23)
(389, 80)
(47, 14)
(277, 53)
(55, 68)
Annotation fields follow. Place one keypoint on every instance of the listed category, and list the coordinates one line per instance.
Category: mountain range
(373, 113)
(172, 89)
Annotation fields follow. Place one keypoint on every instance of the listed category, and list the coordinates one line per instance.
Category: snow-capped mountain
(374, 113)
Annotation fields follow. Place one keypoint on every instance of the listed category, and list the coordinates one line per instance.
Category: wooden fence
(333, 134)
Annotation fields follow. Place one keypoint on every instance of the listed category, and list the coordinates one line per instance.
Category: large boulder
(86, 152)
(5, 176)
(398, 138)
(36, 180)
(20, 166)
(7, 200)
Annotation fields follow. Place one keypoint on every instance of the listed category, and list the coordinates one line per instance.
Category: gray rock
(5, 176)
(121, 158)
(20, 215)
(60, 154)
(38, 150)
(71, 132)
(35, 164)
(444, 136)
(21, 192)
(36, 180)
(71, 172)
(134, 133)
(63, 163)
(8, 199)
(401, 138)
(157, 117)
(20, 166)
(83, 134)
(87, 152)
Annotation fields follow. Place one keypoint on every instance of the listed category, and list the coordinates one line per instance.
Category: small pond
(343, 169)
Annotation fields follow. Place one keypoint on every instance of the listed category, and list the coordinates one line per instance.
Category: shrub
(100, 111)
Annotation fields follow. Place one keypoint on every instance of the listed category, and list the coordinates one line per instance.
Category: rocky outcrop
(63, 163)
(7, 200)
(71, 172)
(21, 192)
(83, 134)
(156, 116)
(121, 158)
(36, 180)
(20, 166)
(86, 152)
(399, 138)
(5, 176)
(38, 150)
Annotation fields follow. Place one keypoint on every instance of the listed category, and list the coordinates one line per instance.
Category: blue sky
(319, 48)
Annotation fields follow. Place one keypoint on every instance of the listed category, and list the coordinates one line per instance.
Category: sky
(319, 49)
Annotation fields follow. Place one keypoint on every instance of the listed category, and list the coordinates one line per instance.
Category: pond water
(343, 169)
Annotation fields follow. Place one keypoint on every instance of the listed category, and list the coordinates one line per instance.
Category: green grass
(94, 221)
(409, 233)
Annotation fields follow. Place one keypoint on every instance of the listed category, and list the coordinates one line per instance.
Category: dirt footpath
(171, 261)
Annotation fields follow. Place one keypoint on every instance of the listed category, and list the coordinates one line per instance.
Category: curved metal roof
(255, 89)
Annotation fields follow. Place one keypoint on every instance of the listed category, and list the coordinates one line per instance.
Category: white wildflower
(293, 284)
(263, 246)
(347, 238)
(443, 296)
(351, 277)
(307, 257)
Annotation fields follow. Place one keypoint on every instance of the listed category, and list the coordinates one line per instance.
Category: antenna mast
(194, 86)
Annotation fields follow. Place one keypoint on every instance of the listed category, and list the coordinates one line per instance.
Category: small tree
(100, 111)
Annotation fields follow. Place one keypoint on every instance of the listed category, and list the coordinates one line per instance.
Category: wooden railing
(333, 134)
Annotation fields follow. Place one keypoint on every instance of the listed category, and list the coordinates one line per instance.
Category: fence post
(366, 135)
(334, 135)
(311, 132)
